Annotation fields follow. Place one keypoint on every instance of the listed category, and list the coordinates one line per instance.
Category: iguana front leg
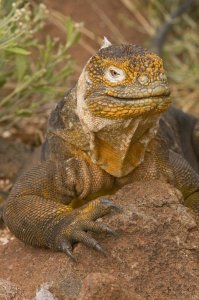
(39, 209)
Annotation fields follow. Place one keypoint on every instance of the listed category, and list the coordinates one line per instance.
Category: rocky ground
(155, 255)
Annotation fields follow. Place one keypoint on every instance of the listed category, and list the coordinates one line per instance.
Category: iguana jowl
(109, 130)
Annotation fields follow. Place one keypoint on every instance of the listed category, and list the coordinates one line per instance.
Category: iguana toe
(67, 248)
(84, 221)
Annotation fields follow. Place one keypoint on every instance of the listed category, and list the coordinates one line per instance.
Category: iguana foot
(83, 220)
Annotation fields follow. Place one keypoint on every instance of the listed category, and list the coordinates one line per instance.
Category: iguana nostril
(143, 79)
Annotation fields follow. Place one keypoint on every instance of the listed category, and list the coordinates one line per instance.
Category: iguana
(114, 127)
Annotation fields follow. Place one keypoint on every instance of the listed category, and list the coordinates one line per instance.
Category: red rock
(154, 257)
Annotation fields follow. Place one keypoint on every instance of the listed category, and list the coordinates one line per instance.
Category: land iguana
(114, 127)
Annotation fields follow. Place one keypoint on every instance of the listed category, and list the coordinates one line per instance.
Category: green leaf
(75, 38)
(21, 66)
(18, 50)
(64, 73)
(72, 34)
(69, 27)
(24, 112)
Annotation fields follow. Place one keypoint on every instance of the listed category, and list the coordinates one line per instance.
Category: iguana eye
(114, 74)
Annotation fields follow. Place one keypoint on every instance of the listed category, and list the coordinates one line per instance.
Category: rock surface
(155, 255)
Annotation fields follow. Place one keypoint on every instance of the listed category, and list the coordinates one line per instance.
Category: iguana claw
(67, 248)
(111, 204)
(84, 221)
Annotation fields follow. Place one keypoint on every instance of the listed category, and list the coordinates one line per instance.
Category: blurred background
(45, 44)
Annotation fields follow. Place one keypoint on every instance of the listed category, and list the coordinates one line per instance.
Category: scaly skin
(109, 130)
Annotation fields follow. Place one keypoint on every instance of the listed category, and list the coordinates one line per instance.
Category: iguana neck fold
(119, 148)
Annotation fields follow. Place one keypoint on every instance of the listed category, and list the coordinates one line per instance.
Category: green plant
(33, 70)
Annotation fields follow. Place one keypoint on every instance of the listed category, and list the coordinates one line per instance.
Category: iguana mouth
(156, 89)
(117, 107)
(139, 98)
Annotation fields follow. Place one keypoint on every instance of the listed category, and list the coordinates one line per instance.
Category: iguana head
(121, 94)
(125, 81)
